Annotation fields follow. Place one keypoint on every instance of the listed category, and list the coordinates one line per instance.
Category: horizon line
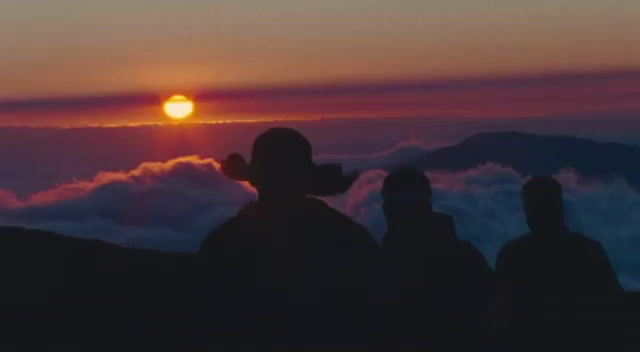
(147, 98)
(621, 114)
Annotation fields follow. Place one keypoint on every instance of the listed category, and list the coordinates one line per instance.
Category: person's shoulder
(522, 240)
(246, 215)
(578, 237)
(442, 217)
(333, 217)
(229, 228)
(587, 243)
(468, 246)
(443, 221)
(516, 245)
(324, 210)
(472, 252)
(512, 255)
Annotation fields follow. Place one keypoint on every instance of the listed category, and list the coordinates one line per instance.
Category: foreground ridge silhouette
(552, 280)
(308, 266)
(437, 286)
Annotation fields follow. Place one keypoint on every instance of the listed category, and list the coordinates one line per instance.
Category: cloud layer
(168, 206)
(172, 205)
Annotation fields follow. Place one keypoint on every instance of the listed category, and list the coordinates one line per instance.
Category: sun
(178, 107)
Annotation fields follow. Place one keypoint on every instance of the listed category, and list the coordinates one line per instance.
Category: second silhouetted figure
(437, 285)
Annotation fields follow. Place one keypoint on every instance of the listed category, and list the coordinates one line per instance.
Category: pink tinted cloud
(145, 174)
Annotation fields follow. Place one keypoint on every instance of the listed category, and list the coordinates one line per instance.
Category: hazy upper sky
(77, 47)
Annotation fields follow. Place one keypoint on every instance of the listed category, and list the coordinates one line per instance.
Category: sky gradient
(89, 47)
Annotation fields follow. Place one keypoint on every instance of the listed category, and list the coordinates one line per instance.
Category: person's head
(406, 195)
(543, 205)
(282, 166)
(281, 162)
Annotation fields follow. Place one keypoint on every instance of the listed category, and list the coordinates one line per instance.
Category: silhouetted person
(552, 280)
(304, 265)
(438, 285)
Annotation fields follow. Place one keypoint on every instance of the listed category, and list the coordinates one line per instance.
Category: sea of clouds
(172, 206)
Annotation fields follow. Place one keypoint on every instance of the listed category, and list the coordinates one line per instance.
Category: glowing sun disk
(178, 107)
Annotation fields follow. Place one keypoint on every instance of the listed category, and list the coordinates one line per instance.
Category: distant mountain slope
(536, 154)
(36, 265)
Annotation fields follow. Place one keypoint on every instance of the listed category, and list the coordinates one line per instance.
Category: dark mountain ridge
(531, 154)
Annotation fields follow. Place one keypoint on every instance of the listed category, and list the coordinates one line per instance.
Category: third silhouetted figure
(551, 280)
(437, 285)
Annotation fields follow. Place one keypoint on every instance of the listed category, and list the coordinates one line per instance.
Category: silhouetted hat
(280, 151)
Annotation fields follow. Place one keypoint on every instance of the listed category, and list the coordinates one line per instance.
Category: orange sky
(85, 47)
